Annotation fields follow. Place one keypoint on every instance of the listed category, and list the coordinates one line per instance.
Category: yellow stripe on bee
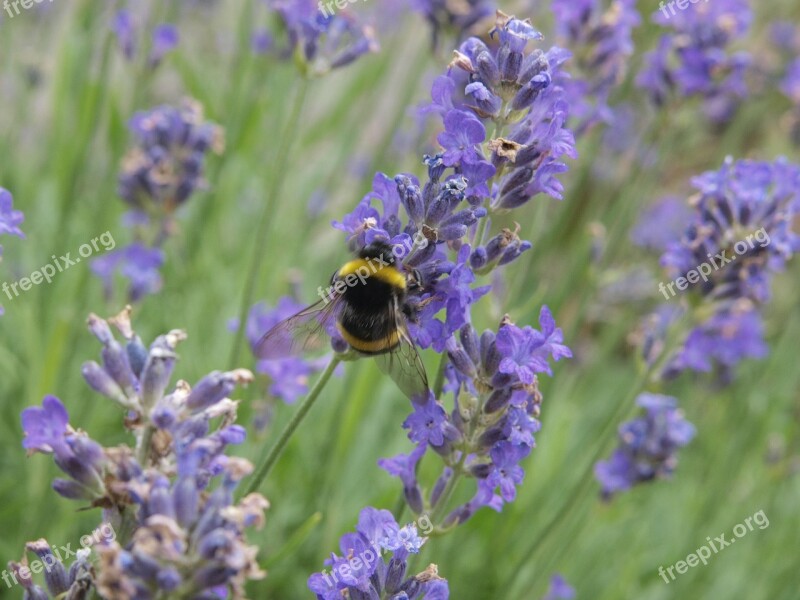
(386, 273)
(369, 346)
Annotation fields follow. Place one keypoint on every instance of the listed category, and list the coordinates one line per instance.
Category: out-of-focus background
(67, 93)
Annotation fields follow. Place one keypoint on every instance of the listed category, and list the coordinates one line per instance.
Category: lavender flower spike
(648, 445)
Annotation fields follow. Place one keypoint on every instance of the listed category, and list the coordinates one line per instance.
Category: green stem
(267, 217)
(276, 450)
(438, 384)
(143, 448)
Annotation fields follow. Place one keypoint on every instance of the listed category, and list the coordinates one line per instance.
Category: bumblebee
(367, 306)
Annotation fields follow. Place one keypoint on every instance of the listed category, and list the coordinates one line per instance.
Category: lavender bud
(460, 359)
(137, 355)
(55, 576)
(115, 362)
(527, 95)
(100, 381)
(477, 259)
(440, 485)
(209, 390)
(72, 490)
(491, 436)
(497, 400)
(168, 579)
(412, 200)
(534, 63)
(413, 497)
(514, 252)
(186, 498)
(156, 374)
(487, 68)
(395, 574)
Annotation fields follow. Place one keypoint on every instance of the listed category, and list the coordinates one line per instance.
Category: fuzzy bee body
(367, 305)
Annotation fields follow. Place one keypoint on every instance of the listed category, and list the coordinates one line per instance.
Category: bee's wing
(304, 331)
(403, 364)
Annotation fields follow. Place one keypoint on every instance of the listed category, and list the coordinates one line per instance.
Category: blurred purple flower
(559, 589)
(661, 223)
(695, 59)
(648, 445)
(600, 38)
(137, 263)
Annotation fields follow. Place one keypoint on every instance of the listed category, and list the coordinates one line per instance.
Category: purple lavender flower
(739, 234)
(661, 223)
(158, 175)
(362, 571)
(514, 89)
(648, 445)
(428, 424)
(321, 37)
(47, 431)
(137, 263)
(460, 138)
(697, 60)
(166, 166)
(261, 41)
(600, 39)
(491, 429)
(790, 86)
(729, 336)
(164, 38)
(526, 350)
(173, 494)
(123, 27)
(440, 227)
(75, 582)
(559, 589)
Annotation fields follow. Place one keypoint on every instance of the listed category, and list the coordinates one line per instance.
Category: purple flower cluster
(322, 39)
(440, 232)
(74, 583)
(164, 38)
(696, 58)
(173, 493)
(512, 89)
(494, 379)
(158, 175)
(363, 573)
(10, 219)
(600, 39)
(742, 222)
(437, 229)
(166, 166)
(648, 445)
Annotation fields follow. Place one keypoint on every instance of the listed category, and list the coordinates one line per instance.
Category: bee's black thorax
(370, 304)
